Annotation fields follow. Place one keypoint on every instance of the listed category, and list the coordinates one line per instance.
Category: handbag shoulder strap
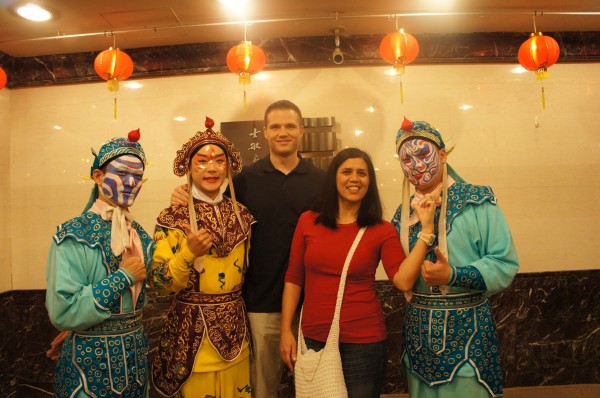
(334, 332)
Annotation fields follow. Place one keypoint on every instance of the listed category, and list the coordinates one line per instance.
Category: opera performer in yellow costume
(201, 256)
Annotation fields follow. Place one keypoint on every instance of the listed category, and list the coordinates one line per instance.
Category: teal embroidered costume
(450, 334)
(105, 355)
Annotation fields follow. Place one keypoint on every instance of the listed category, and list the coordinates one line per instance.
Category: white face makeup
(122, 180)
(209, 169)
(421, 163)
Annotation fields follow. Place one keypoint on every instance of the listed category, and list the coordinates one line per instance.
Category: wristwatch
(429, 239)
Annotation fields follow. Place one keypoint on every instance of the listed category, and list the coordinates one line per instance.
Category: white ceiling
(86, 25)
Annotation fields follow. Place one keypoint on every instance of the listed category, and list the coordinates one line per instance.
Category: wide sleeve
(295, 272)
(79, 293)
(172, 261)
(498, 262)
(392, 254)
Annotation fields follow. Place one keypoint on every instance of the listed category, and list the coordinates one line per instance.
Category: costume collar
(198, 194)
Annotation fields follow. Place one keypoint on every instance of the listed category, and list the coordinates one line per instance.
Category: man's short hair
(284, 105)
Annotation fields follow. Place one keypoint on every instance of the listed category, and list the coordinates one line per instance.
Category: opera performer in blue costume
(450, 340)
(96, 269)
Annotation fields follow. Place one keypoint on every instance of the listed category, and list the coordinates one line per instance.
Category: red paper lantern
(538, 53)
(113, 65)
(3, 78)
(399, 49)
(245, 59)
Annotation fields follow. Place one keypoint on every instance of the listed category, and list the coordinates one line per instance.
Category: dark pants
(363, 365)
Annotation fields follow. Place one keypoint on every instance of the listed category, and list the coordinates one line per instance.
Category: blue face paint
(122, 180)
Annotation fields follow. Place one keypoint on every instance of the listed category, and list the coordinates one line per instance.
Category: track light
(337, 55)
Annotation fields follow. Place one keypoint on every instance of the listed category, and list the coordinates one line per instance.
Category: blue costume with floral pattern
(454, 335)
(106, 352)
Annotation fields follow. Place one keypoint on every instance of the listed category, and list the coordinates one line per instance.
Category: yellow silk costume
(204, 342)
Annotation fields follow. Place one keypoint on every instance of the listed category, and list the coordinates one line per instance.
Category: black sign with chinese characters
(248, 138)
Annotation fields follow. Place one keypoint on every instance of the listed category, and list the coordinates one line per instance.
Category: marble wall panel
(302, 52)
(547, 325)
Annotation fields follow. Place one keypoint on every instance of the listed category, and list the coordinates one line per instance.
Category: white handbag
(319, 374)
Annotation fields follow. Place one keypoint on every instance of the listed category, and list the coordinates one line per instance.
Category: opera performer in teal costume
(96, 269)
(450, 340)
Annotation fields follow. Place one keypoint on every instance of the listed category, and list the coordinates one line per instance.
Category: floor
(570, 391)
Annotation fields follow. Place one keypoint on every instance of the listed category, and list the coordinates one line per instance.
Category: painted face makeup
(421, 163)
(122, 180)
(209, 169)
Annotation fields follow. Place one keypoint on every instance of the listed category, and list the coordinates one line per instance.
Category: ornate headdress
(112, 149)
(209, 136)
(418, 129)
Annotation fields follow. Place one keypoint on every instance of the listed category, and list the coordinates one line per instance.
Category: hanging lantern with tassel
(3, 78)
(113, 65)
(399, 49)
(245, 59)
(537, 54)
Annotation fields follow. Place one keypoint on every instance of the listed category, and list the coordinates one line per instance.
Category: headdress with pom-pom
(208, 136)
(112, 149)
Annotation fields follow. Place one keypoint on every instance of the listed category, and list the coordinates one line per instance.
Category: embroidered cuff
(468, 277)
(452, 276)
(109, 289)
(184, 259)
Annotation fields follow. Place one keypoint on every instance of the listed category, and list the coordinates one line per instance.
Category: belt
(449, 301)
(116, 324)
(207, 299)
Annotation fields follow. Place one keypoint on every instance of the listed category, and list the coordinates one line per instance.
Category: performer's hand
(134, 265)
(287, 349)
(425, 211)
(436, 274)
(199, 242)
(180, 196)
(56, 345)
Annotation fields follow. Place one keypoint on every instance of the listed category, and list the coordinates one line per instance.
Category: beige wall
(546, 178)
(5, 253)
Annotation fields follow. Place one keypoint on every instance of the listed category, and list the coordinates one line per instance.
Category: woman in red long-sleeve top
(349, 201)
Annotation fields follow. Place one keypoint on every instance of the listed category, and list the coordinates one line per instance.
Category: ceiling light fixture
(33, 12)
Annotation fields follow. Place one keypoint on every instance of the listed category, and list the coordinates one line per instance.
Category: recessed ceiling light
(34, 12)
(133, 85)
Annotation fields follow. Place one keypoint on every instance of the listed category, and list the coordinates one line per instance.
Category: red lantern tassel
(244, 107)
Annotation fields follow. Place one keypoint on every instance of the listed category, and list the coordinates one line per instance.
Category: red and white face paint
(209, 169)
(122, 180)
(421, 163)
